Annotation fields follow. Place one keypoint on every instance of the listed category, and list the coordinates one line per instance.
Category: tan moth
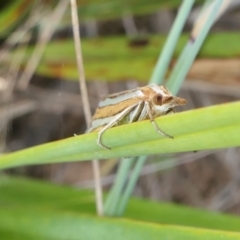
(134, 105)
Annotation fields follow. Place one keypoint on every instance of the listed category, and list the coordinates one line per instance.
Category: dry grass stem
(85, 100)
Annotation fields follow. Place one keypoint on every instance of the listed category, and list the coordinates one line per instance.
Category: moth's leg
(143, 112)
(100, 133)
(159, 130)
(112, 123)
(155, 125)
(136, 113)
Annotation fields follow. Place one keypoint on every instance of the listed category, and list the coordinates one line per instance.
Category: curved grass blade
(207, 128)
(40, 223)
(24, 193)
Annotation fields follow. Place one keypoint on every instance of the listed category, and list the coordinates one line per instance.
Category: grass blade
(219, 128)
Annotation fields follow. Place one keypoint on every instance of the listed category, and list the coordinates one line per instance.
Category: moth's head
(163, 101)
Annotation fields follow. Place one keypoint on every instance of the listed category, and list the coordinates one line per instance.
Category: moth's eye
(158, 99)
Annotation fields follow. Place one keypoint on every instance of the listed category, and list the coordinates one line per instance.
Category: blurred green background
(178, 196)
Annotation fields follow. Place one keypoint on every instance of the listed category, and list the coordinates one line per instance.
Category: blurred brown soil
(217, 71)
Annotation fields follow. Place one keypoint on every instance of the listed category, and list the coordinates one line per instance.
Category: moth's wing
(134, 110)
(113, 95)
(98, 124)
(119, 117)
(120, 97)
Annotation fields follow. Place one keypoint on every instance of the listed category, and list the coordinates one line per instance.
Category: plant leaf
(206, 128)
(32, 209)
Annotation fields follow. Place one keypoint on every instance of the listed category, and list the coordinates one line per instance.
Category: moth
(134, 105)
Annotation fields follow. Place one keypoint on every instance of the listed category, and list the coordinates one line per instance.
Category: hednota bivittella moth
(134, 105)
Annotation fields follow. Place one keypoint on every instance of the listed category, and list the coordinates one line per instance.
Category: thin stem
(169, 47)
(85, 100)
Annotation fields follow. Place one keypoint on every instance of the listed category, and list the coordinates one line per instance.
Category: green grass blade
(177, 214)
(207, 128)
(24, 193)
(40, 223)
(112, 200)
(190, 52)
(32, 209)
(170, 45)
(130, 186)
